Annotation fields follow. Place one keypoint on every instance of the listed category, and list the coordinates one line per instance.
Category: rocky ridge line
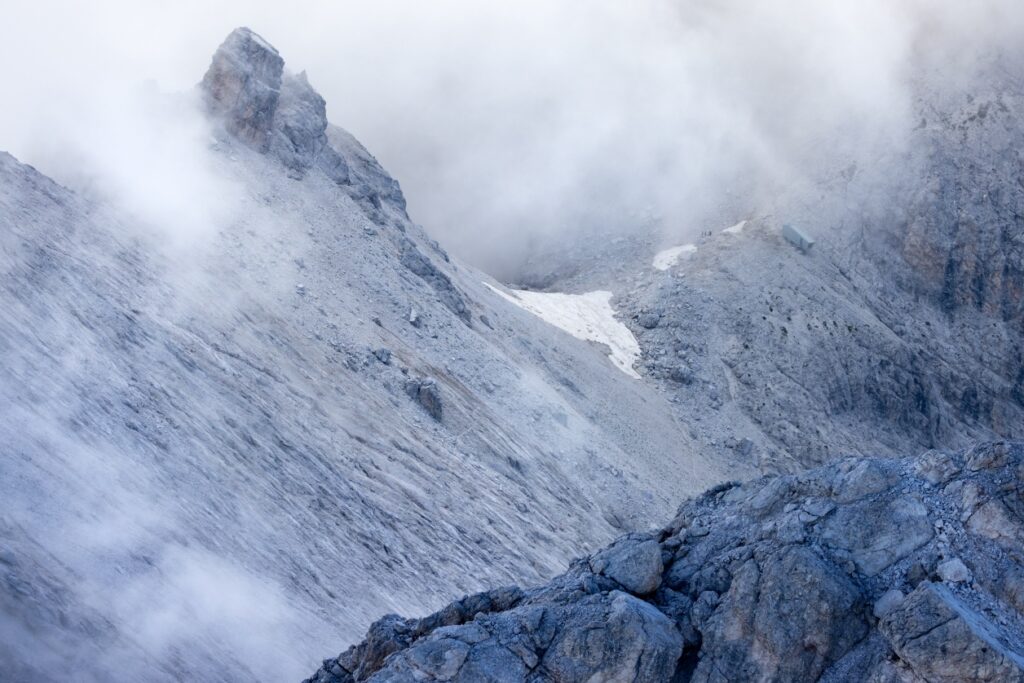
(867, 569)
(278, 113)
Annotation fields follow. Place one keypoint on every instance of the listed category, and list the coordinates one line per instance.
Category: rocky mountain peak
(243, 85)
(269, 109)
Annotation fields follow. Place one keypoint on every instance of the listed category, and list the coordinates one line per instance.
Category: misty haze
(572, 341)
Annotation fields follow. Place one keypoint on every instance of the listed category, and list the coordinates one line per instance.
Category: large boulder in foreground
(933, 619)
(865, 570)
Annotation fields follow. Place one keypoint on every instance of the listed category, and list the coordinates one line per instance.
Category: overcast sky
(509, 123)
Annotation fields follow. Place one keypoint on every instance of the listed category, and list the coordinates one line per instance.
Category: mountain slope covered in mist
(901, 329)
(227, 455)
(240, 450)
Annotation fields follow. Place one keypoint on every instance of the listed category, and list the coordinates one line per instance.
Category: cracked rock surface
(842, 573)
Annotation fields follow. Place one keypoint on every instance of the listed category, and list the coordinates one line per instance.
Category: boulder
(937, 467)
(945, 641)
(954, 571)
(620, 638)
(876, 535)
(634, 564)
(864, 478)
(786, 620)
(682, 374)
(993, 521)
(889, 601)
(425, 392)
(603, 637)
(649, 319)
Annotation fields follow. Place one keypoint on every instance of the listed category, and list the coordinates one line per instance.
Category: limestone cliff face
(248, 90)
(964, 236)
(864, 570)
(243, 85)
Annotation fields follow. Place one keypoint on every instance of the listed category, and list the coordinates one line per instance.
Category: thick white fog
(510, 125)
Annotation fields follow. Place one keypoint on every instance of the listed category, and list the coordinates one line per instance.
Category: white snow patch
(587, 316)
(735, 229)
(664, 260)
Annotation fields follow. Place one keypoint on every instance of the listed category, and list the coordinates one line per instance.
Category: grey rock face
(609, 636)
(612, 637)
(243, 85)
(248, 89)
(820, 358)
(786, 618)
(276, 112)
(964, 232)
(933, 621)
(413, 259)
(635, 564)
(370, 182)
(751, 582)
(897, 527)
(299, 137)
(426, 393)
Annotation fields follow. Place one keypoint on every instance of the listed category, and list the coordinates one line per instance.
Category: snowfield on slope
(587, 316)
(735, 229)
(667, 258)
